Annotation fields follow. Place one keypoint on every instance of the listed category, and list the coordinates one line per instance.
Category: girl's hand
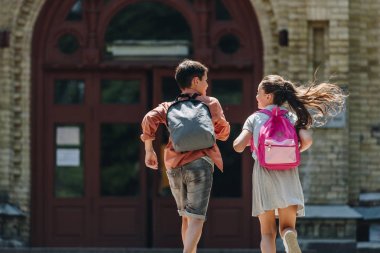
(305, 139)
(151, 159)
(242, 141)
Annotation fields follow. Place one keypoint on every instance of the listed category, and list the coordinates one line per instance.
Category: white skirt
(273, 189)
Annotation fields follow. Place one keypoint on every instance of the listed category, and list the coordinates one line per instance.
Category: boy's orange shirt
(174, 159)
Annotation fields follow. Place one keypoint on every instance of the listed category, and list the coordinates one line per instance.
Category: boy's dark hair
(187, 70)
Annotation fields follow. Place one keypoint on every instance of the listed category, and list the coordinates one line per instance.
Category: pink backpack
(278, 142)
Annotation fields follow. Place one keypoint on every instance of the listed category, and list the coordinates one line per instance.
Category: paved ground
(119, 250)
(122, 250)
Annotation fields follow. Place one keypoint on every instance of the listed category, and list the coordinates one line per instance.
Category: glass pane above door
(170, 89)
(221, 12)
(76, 11)
(120, 91)
(228, 91)
(162, 33)
(69, 91)
(120, 159)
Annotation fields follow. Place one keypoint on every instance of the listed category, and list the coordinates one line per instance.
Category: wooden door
(166, 223)
(67, 136)
(119, 185)
(229, 222)
(95, 173)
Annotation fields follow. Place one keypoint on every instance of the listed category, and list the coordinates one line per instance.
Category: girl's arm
(305, 139)
(242, 140)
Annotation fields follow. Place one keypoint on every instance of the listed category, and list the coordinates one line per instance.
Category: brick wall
(327, 166)
(18, 16)
(364, 100)
(325, 170)
(7, 13)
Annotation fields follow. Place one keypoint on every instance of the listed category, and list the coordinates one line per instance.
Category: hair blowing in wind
(313, 104)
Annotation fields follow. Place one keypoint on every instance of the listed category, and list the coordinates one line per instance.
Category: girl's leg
(268, 232)
(287, 217)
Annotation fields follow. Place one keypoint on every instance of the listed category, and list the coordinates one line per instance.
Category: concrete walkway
(120, 250)
(125, 250)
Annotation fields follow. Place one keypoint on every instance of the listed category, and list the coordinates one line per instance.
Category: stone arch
(19, 174)
(266, 13)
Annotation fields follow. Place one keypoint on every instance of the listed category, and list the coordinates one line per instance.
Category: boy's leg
(268, 232)
(198, 180)
(185, 225)
(193, 234)
(287, 217)
(178, 189)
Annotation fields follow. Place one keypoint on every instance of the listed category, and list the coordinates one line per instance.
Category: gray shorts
(191, 187)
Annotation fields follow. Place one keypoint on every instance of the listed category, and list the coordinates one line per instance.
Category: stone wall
(7, 14)
(325, 169)
(364, 79)
(17, 16)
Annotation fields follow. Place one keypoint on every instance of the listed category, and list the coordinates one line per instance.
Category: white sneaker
(291, 243)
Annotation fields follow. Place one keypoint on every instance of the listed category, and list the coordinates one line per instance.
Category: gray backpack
(190, 125)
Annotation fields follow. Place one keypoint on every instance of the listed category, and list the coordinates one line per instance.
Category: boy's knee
(195, 221)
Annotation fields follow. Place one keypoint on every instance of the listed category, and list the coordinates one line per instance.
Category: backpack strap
(186, 95)
(276, 110)
(265, 111)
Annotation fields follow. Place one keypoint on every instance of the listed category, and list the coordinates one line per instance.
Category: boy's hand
(151, 159)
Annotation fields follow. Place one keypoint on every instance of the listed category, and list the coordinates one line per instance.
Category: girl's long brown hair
(313, 103)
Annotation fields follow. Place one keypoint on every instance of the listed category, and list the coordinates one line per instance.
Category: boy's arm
(305, 139)
(149, 127)
(221, 125)
(150, 156)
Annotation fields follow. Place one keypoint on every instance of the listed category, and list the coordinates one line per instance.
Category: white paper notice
(68, 135)
(68, 157)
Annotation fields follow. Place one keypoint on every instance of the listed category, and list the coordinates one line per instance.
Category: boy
(189, 173)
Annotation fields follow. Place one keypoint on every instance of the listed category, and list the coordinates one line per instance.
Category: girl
(279, 192)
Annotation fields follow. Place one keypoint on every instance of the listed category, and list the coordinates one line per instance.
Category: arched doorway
(98, 67)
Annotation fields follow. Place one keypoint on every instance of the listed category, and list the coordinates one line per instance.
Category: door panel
(166, 222)
(67, 159)
(96, 191)
(231, 192)
(119, 189)
(229, 211)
